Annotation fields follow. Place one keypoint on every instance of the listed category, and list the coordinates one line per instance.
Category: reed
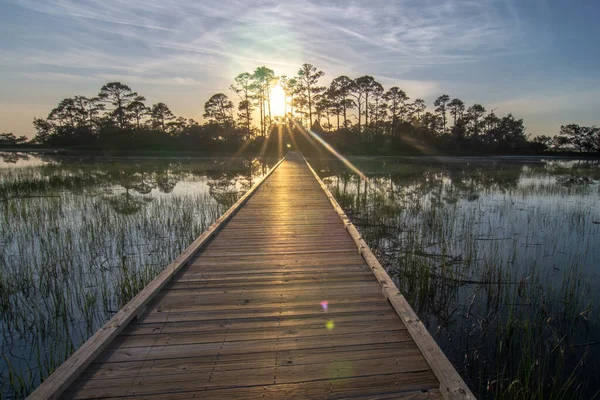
(79, 239)
(498, 259)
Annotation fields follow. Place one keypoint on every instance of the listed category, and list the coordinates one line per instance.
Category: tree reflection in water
(79, 237)
(498, 259)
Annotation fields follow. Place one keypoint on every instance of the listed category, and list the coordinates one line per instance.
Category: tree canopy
(354, 115)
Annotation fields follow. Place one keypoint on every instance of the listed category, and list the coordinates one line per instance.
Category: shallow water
(500, 259)
(79, 237)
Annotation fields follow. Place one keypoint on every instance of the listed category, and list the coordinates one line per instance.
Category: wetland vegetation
(499, 257)
(80, 237)
(354, 115)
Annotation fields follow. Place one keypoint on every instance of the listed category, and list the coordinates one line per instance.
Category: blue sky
(535, 58)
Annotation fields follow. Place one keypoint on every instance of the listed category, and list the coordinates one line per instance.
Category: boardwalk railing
(239, 314)
(452, 385)
(68, 371)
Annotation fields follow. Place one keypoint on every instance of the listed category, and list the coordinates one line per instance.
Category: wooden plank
(414, 386)
(246, 318)
(59, 380)
(452, 385)
(244, 360)
(263, 312)
(181, 351)
(235, 324)
(214, 377)
(274, 331)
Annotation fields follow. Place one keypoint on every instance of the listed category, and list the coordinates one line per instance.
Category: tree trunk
(366, 112)
(359, 114)
(269, 105)
(345, 115)
(309, 107)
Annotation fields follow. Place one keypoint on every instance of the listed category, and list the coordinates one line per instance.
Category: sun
(277, 96)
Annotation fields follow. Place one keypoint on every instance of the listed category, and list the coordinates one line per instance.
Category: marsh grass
(77, 241)
(500, 261)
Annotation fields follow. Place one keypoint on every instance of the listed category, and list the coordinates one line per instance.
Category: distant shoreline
(451, 158)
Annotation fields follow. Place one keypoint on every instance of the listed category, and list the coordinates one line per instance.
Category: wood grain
(278, 304)
(452, 385)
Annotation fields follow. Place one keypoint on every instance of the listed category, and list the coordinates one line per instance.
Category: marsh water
(500, 258)
(80, 236)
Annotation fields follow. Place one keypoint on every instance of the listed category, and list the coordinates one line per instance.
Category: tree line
(355, 115)
(573, 136)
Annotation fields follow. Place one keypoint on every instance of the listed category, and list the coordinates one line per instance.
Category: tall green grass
(78, 240)
(500, 260)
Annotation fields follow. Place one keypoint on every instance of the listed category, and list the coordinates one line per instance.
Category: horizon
(536, 61)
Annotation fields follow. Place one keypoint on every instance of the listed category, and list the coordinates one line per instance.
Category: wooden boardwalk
(277, 304)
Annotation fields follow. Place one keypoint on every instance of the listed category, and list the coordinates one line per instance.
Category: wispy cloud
(201, 44)
(250, 32)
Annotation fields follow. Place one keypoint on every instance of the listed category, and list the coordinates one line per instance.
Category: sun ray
(310, 140)
(292, 138)
(240, 151)
(280, 142)
(264, 146)
(333, 151)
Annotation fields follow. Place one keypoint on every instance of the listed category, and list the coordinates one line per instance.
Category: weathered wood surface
(452, 385)
(279, 304)
(63, 377)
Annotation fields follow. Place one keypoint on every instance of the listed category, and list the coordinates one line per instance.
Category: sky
(537, 59)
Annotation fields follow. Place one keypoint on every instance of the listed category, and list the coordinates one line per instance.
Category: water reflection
(79, 237)
(128, 184)
(499, 259)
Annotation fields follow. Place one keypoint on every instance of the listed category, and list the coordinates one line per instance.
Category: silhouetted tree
(431, 124)
(218, 110)
(440, 104)
(342, 86)
(391, 123)
(64, 114)
(583, 138)
(323, 108)
(243, 88)
(160, 114)
(475, 112)
(366, 85)
(396, 99)
(283, 82)
(456, 108)
(308, 84)
(334, 100)
(263, 80)
(138, 110)
(119, 96)
(44, 130)
(289, 88)
(9, 138)
(87, 111)
(541, 142)
(419, 107)
(377, 108)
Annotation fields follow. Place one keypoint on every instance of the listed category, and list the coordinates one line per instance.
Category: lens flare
(329, 325)
(331, 150)
(324, 305)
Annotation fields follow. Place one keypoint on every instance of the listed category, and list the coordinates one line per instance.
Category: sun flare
(277, 97)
